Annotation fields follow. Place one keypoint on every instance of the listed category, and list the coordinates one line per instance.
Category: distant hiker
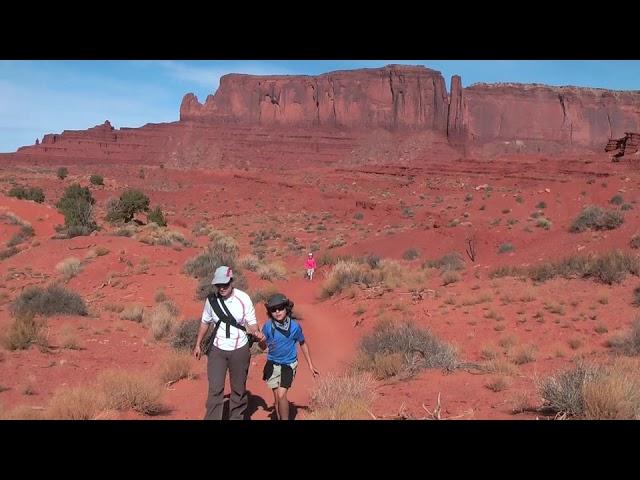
(280, 335)
(310, 265)
(233, 315)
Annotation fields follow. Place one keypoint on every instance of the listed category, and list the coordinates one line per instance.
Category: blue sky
(49, 96)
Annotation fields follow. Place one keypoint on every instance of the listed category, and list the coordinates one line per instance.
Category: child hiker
(281, 333)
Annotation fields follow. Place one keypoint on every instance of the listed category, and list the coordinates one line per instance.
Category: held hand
(314, 371)
(197, 352)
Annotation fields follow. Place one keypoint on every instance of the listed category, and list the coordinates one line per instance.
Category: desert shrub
(96, 179)
(27, 193)
(635, 241)
(52, 300)
(449, 276)
(222, 250)
(176, 366)
(185, 335)
(25, 330)
(344, 274)
(563, 392)
(261, 295)
(610, 267)
(345, 397)
(617, 200)
(162, 320)
(629, 344)
(79, 403)
(133, 312)
(8, 252)
(69, 267)
(76, 204)
(505, 247)
(614, 393)
(411, 254)
(419, 348)
(123, 390)
(131, 201)
(156, 216)
(26, 231)
(595, 392)
(250, 262)
(595, 218)
(62, 173)
(272, 271)
(450, 261)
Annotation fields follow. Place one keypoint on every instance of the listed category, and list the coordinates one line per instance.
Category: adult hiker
(281, 332)
(232, 314)
(310, 265)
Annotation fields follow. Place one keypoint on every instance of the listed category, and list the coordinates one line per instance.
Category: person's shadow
(255, 402)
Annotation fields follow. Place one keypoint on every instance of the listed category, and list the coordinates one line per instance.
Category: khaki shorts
(275, 380)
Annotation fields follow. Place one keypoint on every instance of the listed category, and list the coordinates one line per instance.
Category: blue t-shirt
(282, 348)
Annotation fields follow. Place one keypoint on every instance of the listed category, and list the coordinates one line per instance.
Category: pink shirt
(310, 263)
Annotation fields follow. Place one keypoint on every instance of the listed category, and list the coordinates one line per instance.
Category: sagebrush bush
(25, 330)
(69, 267)
(186, 334)
(96, 179)
(345, 397)
(133, 312)
(222, 250)
(450, 261)
(52, 300)
(156, 216)
(419, 348)
(79, 403)
(124, 390)
(162, 320)
(27, 193)
(595, 218)
(176, 366)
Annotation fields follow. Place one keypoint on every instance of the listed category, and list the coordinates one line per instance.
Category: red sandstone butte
(323, 118)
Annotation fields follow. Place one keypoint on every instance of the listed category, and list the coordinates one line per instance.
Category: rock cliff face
(570, 116)
(393, 97)
(326, 118)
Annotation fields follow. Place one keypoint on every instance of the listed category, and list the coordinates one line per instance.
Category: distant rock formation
(627, 145)
(348, 116)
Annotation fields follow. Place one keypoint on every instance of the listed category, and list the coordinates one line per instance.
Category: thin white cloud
(207, 74)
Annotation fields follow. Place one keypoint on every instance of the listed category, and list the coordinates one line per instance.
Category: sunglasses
(223, 285)
(277, 308)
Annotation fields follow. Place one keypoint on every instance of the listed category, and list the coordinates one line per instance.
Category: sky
(48, 96)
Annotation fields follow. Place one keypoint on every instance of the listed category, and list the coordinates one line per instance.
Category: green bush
(186, 334)
(76, 205)
(62, 173)
(595, 218)
(96, 180)
(27, 193)
(156, 215)
(53, 300)
(130, 202)
(419, 348)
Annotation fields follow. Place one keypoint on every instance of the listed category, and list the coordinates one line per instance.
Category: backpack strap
(218, 305)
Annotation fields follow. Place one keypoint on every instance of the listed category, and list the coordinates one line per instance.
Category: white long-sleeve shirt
(241, 307)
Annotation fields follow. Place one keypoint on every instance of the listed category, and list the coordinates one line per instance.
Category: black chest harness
(223, 314)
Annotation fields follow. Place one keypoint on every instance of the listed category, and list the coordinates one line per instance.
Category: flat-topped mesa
(392, 97)
(568, 116)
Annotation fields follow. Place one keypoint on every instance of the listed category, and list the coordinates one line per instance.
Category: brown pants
(218, 362)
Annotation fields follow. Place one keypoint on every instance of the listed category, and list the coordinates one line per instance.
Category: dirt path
(331, 341)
